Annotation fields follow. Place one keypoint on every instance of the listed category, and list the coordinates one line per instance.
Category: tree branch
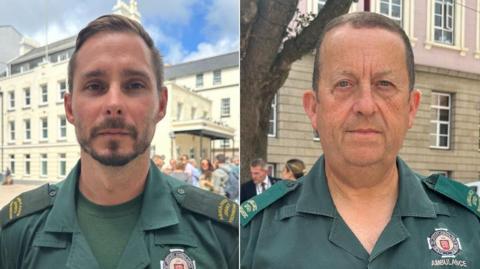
(306, 41)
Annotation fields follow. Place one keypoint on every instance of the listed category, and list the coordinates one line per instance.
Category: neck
(112, 185)
(363, 186)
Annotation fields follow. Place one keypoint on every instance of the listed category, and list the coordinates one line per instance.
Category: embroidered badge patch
(177, 259)
(15, 208)
(444, 243)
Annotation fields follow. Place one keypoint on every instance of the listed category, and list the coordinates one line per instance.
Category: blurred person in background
(293, 169)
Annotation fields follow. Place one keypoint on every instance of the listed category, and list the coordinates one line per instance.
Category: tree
(267, 51)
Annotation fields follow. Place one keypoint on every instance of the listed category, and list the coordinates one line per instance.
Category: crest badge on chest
(444, 243)
(177, 259)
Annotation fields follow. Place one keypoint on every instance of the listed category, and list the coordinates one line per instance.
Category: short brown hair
(119, 24)
(359, 20)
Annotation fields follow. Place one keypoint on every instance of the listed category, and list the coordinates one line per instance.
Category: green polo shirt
(296, 225)
(178, 225)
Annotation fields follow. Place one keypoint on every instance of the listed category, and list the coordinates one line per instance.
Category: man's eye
(94, 87)
(384, 83)
(343, 84)
(135, 85)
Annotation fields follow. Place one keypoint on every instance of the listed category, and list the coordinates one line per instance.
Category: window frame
(43, 159)
(434, 108)
(60, 127)
(274, 120)
(217, 77)
(225, 107)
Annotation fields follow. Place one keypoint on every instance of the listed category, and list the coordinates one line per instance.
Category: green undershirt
(107, 229)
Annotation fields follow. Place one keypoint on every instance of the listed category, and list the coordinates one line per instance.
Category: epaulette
(454, 190)
(28, 203)
(216, 207)
(252, 206)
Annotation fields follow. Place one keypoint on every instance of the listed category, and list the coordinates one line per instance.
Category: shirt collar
(412, 200)
(158, 208)
(314, 196)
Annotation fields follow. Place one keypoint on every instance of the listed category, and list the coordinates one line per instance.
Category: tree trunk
(265, 62)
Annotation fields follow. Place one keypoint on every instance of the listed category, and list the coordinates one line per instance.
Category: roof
(52, 48)
(202, 65)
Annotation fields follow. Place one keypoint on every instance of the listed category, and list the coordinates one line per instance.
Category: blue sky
(183, 30)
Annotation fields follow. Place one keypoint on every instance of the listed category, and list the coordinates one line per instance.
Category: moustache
(116, 123)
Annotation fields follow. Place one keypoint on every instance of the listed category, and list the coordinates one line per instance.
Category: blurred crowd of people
(220, 176)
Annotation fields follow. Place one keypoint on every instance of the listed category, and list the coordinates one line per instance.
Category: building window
(217, 77)
(272, 124)
(225, 107)
(27, 164)
(28, 129)
(193, 111)
(44, 128)
(12, 163)
(43, 165)
(43, 94)
(11, 127)
(199, 80)
(392, 9)
(62, 124)
(191, 153)
(272, 169)
(444, 12)
(62, 88)
(179, 110)
(11, 100)
(62, 164)
(225, 143)
(440, 122)
(26, 93)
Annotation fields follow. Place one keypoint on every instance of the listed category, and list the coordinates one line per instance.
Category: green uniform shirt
(296, 225)
(179, 225)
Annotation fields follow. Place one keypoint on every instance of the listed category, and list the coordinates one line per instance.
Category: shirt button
(181, 191)
(290, 184)
(52, 193)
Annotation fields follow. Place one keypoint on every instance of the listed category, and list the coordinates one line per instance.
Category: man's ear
(67, 104)
(310, 106)
(414, 103)
(162, 103)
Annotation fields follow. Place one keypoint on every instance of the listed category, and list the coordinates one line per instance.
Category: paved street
(8, 192)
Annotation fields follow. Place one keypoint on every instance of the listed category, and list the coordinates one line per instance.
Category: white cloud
(177, 11)
(223, 19)
(205, 50)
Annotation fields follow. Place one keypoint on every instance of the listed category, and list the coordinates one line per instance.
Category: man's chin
(113, 160)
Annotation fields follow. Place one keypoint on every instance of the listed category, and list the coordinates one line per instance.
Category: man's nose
(114, 106)
(365, 101)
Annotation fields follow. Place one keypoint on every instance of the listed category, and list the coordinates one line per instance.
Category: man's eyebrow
(94, 73)
(135, 73)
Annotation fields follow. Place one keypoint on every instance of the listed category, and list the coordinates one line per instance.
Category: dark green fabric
(302, 229)
(251, 207)
(52, 238)
(28, 203)
(107, 228)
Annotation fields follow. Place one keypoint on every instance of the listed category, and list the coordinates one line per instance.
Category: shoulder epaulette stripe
(251, 207)
(28, 203)
(208, 204)
(456, 191)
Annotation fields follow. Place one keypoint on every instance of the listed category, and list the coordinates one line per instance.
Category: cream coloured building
(37, 142)
(218, 79)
